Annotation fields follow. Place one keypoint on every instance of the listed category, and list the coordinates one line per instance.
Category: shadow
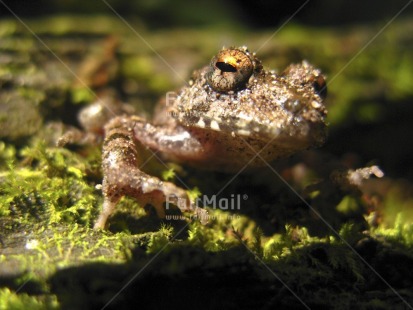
(123, 221)
(268, 201)
(388, 140)
(185, 277)
(20, 283)
(182, 278)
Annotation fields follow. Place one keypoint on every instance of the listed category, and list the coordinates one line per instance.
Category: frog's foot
(78, 137)
(130, 181)
(353, 180)
(123, 178)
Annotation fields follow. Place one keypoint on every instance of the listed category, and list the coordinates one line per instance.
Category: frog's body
(232, 114)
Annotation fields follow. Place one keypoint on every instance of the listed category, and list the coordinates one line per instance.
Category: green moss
(51, 188)
(168, 174)
(142, 68)
(7, 153)
(48, 191)
(401, 232)
(160, 240)
(8, 27)
(82, 95)
(13, 301)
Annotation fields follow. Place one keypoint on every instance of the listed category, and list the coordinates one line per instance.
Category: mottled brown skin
(230, 111)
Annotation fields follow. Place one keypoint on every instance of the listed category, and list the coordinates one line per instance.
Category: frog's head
(235, 95)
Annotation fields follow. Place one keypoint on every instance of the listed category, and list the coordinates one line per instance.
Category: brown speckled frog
(232, 114)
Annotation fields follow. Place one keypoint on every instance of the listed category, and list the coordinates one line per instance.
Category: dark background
(259, 14)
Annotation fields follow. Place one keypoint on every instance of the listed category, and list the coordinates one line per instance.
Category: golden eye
(230, 70)
(320, 86)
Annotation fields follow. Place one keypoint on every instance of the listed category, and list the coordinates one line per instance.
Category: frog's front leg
(120, 161)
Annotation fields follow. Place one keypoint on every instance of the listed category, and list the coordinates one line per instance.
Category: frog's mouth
(266, 130)
(236, 126)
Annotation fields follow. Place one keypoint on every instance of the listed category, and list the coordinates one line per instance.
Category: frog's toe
(107, 210)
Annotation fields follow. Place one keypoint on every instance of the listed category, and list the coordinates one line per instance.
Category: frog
(232, 115)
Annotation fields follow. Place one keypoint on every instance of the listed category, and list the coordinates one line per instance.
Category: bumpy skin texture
(230, 111)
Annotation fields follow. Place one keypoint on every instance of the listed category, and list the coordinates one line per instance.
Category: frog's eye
(320, 86)
(230, 70)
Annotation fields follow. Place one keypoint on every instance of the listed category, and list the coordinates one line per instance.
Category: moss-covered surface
(272, 253)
